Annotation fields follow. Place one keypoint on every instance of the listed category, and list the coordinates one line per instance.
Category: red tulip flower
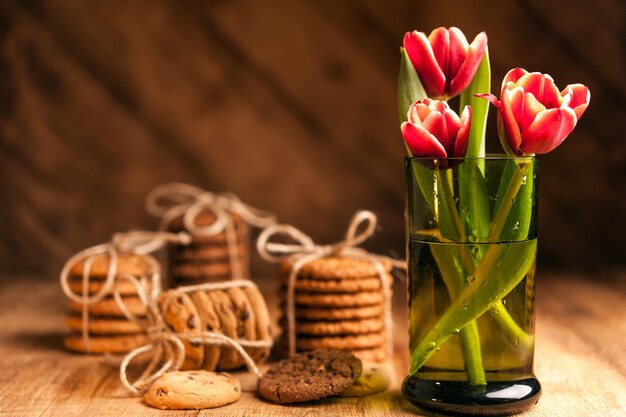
(445, 62)
(434, 130)
(534, 117)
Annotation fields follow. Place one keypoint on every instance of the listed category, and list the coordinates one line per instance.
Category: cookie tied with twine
(95, 279)
(168, 348)
(303, 253)
(218, 224)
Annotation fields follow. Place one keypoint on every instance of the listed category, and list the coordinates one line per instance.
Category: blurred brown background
(290, 104)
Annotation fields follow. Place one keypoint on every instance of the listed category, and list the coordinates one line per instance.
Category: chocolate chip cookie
(309, 376)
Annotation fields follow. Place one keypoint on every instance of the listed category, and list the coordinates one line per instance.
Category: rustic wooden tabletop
(580, 360)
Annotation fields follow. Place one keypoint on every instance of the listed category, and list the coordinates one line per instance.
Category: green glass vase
(471, 232)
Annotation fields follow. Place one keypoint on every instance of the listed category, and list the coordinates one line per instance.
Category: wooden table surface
(579, 359)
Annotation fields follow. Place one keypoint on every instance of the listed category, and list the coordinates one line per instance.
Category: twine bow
(167, 346)
(173, 200)
(304, 250)
(136, 242)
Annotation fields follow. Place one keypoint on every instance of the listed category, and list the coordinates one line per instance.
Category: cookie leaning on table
(211, 323)
(229, 358)
(246, 319)
(181, 315)
(263, 322)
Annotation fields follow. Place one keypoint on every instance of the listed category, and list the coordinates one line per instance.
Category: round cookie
(211, 323)
(335, 285)
(377, 354)
(348, 342)
(104, 344)
(309, 376)
(263, 322)
(204, 218)
(364, 298)
(206, 253)
(109, 307)
(95, 285)
(182, 316)
(181, 281)
(246, 320)
(332, 314)
(225, 311)
(103, 325)
(336, 268)
(200, 270)
(375, 378)
(192, 390)
(127, 263)
(345, 327)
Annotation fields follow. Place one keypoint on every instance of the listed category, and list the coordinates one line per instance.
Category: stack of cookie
(206, 258)
(236, 312)
(339, 304)
(108, 329)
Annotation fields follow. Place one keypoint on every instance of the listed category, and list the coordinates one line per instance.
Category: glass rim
(487, 157)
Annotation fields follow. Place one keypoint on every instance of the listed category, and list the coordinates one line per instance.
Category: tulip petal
(462, 137)
(468, 69)
(453, 125)
(435, 123)
(531, 108)
(417, 112)
(436, 105)
(456, 53)
(421, 54)
(580, 96)
(542, 87)
(492, 99)
(440, 43)
(548, 130)
(512, 105)
(421, 142)
(513, 75)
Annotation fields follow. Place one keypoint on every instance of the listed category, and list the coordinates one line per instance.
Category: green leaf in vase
(410, 87)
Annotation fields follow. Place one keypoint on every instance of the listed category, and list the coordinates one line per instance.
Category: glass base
(499, 398)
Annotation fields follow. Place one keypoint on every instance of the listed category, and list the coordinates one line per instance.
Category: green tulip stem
(504, 320)
(470, 338)
(499, 312)
(507, 202)
(464, 255)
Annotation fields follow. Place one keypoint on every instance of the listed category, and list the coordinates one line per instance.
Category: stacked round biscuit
(108, 329)
(236, 312)
(339, 304)
(207, 258)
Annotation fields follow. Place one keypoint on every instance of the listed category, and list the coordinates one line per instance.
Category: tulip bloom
(434, 130)
(445, 62)
(534, 117)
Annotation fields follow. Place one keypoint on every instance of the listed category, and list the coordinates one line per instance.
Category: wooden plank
(578, 359)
